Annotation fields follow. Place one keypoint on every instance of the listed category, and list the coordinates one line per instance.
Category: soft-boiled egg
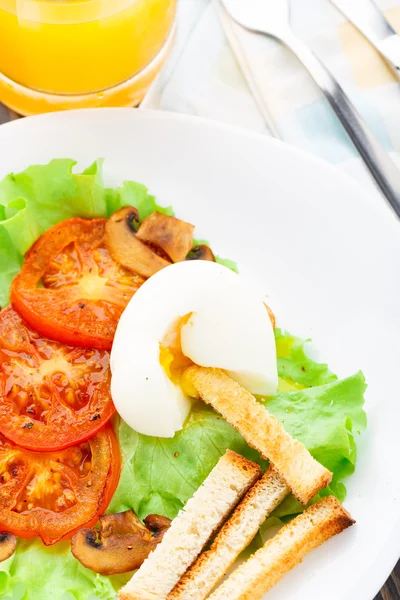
(190, 312)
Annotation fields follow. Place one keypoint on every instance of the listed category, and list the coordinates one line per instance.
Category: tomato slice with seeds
(51, 396)
(52, 494)
(70, 289)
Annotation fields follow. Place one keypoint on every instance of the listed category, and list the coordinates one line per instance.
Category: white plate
(327, 254)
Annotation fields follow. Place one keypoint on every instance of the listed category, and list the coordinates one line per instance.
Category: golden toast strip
(280, 554)
(235, 536)
(192, 528)
(261, 430)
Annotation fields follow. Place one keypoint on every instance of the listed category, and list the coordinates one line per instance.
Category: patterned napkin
(262, 86)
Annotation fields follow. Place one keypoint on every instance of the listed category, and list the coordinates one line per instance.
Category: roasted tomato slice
(52, 494)
(70, 289)
(51, 396)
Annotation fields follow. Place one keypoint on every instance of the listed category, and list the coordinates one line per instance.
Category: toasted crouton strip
(234, 537)
(261, 430)
(192, 528)
(280, 554)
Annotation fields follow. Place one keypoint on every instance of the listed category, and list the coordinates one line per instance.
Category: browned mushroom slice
(201, 252)
(8, 543)
(121, 544)
(173, 236)
(125, 247)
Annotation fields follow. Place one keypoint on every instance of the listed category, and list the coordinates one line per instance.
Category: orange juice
(77, 47)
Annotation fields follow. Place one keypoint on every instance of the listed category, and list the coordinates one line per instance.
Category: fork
(272, 18)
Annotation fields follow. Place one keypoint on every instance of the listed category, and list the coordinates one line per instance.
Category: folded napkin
(221, 71)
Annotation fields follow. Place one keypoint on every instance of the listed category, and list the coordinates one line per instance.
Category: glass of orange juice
(58, 54)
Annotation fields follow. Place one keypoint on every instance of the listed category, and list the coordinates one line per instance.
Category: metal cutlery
(272, 18)
(372, 23)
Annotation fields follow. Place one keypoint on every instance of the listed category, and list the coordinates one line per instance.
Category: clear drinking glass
(58, 54)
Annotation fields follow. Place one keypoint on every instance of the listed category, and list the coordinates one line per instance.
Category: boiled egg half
(190, 312)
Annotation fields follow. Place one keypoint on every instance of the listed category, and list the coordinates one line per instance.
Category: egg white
(228, 328)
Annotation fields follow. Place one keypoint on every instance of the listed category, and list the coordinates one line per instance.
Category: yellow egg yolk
(172, 359)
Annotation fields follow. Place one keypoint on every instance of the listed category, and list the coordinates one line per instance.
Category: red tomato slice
(52, 494)
(51, 396)
(70, 289)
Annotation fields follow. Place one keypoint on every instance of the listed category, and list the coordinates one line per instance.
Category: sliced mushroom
(201, 252)
(8, 543)
(173, 236)
(125, 247)
(121, 544)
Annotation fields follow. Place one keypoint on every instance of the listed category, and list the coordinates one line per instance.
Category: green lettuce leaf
(295, 366)
(134, 194)
(43, 195)
(160, 475)
(37, 572)
(325, 418)
(10, 264)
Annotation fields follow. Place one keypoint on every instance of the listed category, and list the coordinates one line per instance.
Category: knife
(372, 23)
